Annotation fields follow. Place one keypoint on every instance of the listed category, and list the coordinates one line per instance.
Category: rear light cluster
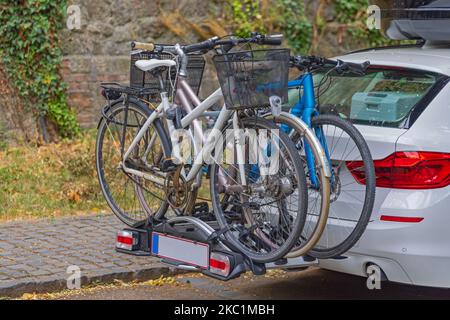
(408, 170)
(127, 240)
(219, 264)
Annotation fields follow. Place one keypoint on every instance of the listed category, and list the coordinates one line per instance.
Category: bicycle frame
(305, 109)
(183, 92)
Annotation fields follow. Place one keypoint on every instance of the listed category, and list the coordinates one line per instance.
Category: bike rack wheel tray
(191, 244)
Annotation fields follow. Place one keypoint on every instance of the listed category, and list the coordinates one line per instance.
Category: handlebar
(210, 44)
(272, 40)
(205, 45)
(309, 62)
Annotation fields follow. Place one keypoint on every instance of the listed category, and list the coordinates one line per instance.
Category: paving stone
(40, 272)
(15, 274)
(36, 255)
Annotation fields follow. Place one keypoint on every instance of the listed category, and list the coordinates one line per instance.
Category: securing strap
(216, 234)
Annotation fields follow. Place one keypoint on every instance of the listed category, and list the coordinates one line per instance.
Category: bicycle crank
(176, 188)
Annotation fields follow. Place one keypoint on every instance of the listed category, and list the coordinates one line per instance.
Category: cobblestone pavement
(35, 255)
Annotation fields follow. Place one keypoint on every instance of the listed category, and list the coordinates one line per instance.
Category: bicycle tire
(370, 187)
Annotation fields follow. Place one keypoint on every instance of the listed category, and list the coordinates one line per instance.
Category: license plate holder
(180, 250)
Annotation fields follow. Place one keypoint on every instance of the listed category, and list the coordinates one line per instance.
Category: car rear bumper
(400, 261)
(408, 269)
(410, 253)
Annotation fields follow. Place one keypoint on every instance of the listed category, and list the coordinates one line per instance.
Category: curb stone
(16, 288)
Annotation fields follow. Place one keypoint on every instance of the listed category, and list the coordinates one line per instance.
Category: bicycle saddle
(147, 65)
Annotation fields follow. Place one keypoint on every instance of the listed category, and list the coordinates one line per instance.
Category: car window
(384, 96)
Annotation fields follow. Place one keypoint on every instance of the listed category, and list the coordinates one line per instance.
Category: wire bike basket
(249, 78)
(140, 79)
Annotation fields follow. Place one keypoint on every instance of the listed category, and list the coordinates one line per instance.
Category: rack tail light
(219, 264)
(407, 170)
(127, 240)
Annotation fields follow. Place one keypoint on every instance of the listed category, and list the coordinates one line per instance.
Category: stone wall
(99, 52)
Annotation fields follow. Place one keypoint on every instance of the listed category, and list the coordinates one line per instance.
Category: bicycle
(143, 157)
(347, 220)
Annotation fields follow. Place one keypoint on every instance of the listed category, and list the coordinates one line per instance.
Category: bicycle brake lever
(340, 67)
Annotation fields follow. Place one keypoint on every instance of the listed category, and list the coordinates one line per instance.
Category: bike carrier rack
(189, 243)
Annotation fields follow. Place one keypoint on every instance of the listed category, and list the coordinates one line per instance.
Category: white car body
(412, 253)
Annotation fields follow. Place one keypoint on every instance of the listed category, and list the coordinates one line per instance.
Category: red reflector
(401, 219)
(125, 240)
(217, 264)
(407, 170)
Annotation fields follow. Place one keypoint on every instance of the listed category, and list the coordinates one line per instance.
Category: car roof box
(413, 19)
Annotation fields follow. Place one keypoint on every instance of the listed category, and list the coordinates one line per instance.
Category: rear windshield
(383, 97)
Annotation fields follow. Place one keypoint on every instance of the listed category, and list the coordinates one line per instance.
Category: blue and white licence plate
(180, 250)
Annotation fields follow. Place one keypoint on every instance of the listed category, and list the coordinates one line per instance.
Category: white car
(402, 108)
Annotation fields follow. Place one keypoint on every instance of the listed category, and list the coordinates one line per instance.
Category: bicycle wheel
(264, 218)
(351, 201)
(318, 190)
(123, 191)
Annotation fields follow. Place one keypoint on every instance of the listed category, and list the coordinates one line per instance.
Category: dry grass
(54, 180)
(95, 287)
(50, 181)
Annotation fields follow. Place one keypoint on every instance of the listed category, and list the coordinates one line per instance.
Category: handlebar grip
(273, 40)
(205, 45)
(142, 46)
(195, 47)
(358, 68)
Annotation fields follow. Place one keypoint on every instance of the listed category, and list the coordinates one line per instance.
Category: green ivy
(346, 10)
(295, 24)
(246, 17)
(288, 16)
(291, 19)
(30, 52)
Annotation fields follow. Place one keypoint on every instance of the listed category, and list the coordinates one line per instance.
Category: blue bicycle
(352, 178)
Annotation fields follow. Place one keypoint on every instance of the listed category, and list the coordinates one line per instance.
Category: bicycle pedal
(201, 208)
(167, 165)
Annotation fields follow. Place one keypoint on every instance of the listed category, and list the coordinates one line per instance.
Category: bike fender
(297, 122)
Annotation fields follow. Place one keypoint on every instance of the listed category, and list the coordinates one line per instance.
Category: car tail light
(408, 170)
(127, 240)
(219, 264)
(401, 219)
